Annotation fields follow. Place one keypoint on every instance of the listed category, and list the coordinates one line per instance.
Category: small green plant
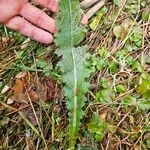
(73, 63)
(97, 127)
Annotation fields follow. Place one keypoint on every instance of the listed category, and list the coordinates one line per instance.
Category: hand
(20, 15)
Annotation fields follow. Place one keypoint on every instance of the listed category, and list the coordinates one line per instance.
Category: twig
(15, 111)
(108, 142)
(88, 3)
(8, 106)
(95, 8)
(123, 119)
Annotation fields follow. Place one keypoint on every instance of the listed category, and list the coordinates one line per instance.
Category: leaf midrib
(74, 68)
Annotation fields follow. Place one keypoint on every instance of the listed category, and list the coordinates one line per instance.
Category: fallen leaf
(26, 87)
(18, 92)
(46, 90)
(50, 87)
(103, 114)
(33, 95)
(18, 88)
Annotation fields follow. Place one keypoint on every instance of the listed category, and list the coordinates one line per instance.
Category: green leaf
(97, 127)
(118, 2)
(70, 32)
(147, 59)
(1, 84)
(144, 88)
(130, 60)
(105, 96)
(148, 142)
(146, 14)
(99, 63)
(120, 88)
(144, 104)
(132, 6)
(121, 31)
(46, 67)
(41, 63)
(129, 101)
(103, 52)
(104, 83)
(143, 3)
(73, 63)
(137, 66)
(113, 66)
(96, 20)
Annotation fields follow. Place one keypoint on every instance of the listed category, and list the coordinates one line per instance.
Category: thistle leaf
(70, 34)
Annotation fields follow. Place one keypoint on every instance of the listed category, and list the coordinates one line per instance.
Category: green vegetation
(87, 91)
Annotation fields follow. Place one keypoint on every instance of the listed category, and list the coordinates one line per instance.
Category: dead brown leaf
(49, 87)
(33, 95)
(26, 87)
(103, 114)
(18, 91)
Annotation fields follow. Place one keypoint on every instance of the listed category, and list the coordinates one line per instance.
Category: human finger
(24, 27)
(38, 17)
(88, 3)
(51, 4)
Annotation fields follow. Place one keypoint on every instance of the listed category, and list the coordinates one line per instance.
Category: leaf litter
(26, 88)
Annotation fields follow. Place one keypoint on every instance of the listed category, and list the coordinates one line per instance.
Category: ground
(33, 112)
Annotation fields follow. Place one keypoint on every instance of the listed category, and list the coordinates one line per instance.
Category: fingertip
(52, 27)
(46, 39)
(49, 40)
